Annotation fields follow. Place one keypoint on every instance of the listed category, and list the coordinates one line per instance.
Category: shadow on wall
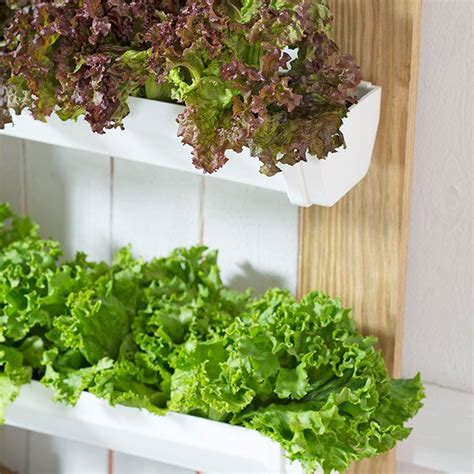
(5, 470)
(250, 277)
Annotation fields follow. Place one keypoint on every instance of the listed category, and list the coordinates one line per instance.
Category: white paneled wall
(126, 464)
(256, 232)
(49, 454)
(439, 303)
(14, 449)
(11, 172)
(98, 204)
(68, 193)
(154, 209)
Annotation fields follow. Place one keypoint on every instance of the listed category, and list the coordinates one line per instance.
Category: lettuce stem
(156, 91)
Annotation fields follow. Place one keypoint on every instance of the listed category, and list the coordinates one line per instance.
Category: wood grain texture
(357, 249)
(5, 470)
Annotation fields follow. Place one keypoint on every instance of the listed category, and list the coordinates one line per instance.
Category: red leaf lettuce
(262, 74)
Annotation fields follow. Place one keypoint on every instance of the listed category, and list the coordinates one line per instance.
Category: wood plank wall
(358, 249)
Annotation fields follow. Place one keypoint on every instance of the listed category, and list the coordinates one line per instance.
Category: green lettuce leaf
(13, 373)
(8, 393)
(301, 374)
(168, 335)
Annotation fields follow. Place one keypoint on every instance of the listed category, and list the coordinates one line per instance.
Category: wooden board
(357, 250)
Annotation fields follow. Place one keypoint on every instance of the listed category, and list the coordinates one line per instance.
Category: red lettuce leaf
(261, 74)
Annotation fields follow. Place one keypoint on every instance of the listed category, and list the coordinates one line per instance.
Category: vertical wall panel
(14, 448)
(155, 209)
(52, 455)
(10, 172)
(126, 464)
(13, 441)
(256, 232)
(68, 193)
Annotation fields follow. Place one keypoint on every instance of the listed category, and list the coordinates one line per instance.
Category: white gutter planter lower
(150, 136)
(181, 440)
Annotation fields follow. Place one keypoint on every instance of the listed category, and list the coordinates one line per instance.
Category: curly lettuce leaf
(301, 374)
(260, 74)
(9, 391)
(68, 374)
(14, 227)
(168, 335)
(26, 267)
(132, 383)
(14, 372)
(77, 58)
(229, 63)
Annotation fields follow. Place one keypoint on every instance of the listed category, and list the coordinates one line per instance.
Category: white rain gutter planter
(181, 440)
(150, 136)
